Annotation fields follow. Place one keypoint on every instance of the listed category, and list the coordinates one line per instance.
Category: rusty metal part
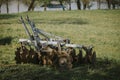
(90, 56)
(51, 50)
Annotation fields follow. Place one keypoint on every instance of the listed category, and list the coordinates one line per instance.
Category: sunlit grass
(100, 28)
(97, 28)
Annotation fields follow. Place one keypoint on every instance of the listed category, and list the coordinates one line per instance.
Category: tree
(61, 3)
(78, 4)
(113, 3)
(98, 3)
(85, 3)
(69, 1)
(7, 4)
(0, 5)
(109, 4)
(45, 3)
(65, 1)
(18, 5)
(31, 5)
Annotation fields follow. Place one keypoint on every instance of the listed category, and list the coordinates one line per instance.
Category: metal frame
(50, 38)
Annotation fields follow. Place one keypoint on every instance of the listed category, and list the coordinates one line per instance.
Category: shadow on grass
(6, 40)
(7, 16)
(103, 70)
(63, 21)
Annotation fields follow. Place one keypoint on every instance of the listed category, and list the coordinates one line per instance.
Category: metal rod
(25, 27)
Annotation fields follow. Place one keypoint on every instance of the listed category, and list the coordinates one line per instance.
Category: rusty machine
(50, 50)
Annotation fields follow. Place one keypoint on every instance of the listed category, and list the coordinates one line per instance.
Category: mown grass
(100, 28)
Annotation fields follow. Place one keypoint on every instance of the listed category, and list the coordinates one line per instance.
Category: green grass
(100, 28)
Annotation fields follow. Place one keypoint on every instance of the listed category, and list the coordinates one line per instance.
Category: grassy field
(100, 28)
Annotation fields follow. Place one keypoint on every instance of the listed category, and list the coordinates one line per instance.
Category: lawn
(100, 28)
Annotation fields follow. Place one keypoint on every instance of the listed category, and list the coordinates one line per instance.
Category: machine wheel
(17, 56)
(64, 63)
(22, 54)
(94, 57)
(33, 57)
(80, 57)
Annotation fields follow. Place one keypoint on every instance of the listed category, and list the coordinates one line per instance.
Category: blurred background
(16, 6)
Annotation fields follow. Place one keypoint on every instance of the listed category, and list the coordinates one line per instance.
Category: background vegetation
(86, 4)
(100, 28)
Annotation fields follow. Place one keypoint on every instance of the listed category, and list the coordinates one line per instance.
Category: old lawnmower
(50, 50)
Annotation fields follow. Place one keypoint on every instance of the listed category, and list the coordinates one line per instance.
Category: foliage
(28, 2)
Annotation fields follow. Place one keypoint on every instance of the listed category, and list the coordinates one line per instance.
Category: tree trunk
(0, 8)
(98, 3)
(84, 6)
(61, 3)
(109, 4)
(18, 6)
(45, 6)
(31, 5)
(7, 7)
(113, 5)
(78, 5)
(33, 8)
(69, 4)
